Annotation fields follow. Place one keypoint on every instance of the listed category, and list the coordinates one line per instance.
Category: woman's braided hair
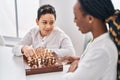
(114, 29)
(104, 10)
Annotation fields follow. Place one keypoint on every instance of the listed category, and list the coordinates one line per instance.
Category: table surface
(13, 68)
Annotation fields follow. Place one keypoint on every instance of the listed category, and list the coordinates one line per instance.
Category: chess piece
(42, 61)
(39, 63)
(53, 60)
(42, 58)
(34, 66)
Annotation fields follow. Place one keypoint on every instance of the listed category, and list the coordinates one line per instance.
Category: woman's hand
(73, 61)
(69, 59)
(28, 51)
(73, 66)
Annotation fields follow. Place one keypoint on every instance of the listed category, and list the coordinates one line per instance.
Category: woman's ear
(90, 19)
(37, 21)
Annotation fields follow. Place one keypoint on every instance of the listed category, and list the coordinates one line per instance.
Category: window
(17, 16)
(7, 18)
(27, 13)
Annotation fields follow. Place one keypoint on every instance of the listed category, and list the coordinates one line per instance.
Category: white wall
(116, 4)
(65, 19)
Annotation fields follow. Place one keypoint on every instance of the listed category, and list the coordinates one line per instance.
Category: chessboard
(44, 61)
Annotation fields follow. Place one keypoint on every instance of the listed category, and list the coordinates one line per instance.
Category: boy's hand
(28, 51)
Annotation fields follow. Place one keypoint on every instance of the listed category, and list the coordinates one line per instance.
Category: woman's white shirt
(98, 62)
(57, 41)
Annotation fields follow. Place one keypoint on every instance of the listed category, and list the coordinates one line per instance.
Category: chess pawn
(47, 53)
(39, 51)
(43, 62)
(29, 61)
(42, 51)
(34, 66)
(46, 61)
(53, 60)
(38, 55)
(29, 64)
(39, 63)
(49, 61)
(50, 53)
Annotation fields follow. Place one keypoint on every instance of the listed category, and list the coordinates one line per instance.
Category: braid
(104, 10)
(114, 29)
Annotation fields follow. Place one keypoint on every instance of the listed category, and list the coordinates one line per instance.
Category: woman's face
(80, 19)
(46, 24)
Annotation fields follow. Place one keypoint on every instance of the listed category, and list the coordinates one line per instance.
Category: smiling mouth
(47, 30)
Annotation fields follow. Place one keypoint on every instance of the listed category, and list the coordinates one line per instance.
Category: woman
(99, 60)
(46, 35)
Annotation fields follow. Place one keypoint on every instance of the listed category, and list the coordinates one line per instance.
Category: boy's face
(46, 24)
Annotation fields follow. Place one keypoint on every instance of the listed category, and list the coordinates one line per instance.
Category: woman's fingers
(65, 58)
(76, 58)
(69, 59)
(73, 66)
(69, 62)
